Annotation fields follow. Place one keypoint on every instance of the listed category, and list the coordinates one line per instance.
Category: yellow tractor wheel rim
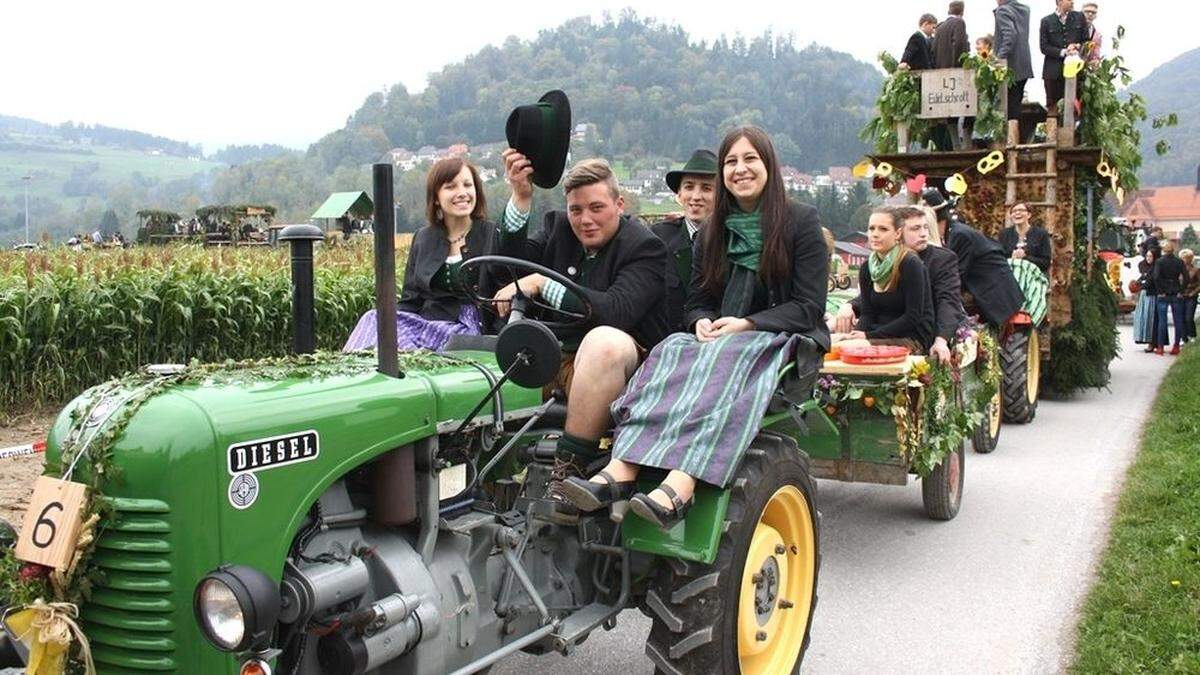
(1033, 367)
(994, 410)
(777, 585)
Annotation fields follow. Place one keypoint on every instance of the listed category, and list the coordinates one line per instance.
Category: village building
(1173, 208)
(852, 254)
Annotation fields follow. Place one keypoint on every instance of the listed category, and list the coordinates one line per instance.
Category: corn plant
(70, 320)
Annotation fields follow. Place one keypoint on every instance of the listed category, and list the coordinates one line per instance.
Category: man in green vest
(695, 188)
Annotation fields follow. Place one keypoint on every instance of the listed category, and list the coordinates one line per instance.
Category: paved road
(995, 590)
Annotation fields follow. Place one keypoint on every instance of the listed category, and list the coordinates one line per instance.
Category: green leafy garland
(931, 420)
(991, 82)
(899, 102)
(22, 582)
(1112, 124)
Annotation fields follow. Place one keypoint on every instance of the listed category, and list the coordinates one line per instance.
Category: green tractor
(331, 514)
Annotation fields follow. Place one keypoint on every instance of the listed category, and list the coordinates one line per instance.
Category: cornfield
(70, 320)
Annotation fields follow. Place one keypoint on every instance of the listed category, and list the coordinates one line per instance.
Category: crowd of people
(736, 282)
(1167, 286)
(1063, 34)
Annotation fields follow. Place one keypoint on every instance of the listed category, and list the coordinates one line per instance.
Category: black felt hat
(933, 198)
(701, 163)
(542, 132)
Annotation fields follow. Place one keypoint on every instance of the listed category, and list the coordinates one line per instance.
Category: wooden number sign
(948, 92)
(51, 525)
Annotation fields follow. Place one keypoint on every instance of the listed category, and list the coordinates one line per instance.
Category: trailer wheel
(987, 434)
(941, 490)
(1020, 362)
(750, 611)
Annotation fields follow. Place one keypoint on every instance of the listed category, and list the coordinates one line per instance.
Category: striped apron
(695, 406)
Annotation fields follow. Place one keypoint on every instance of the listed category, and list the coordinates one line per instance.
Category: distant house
(859, 238)
(426, 153)
(636, 187)
(851, 253)
(1172, 208)
(794, 179)
(841, 175)
(487, 174)
(457, 150)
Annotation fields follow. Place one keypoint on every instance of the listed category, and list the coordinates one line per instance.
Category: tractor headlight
(237, 608)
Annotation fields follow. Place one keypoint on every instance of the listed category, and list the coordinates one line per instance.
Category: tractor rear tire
(750, 611)
(1020, 363)
(987, 434)
(941, 490)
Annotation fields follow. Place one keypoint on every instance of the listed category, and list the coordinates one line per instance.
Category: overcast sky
(267, 71)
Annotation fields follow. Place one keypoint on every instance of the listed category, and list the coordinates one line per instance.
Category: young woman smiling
(896, 304)
(759, 277)
(433, 306)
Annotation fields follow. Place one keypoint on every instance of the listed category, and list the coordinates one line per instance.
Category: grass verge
(1143, 614)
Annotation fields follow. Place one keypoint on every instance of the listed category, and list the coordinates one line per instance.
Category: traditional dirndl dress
(414, 331)
(692, 405)
(1143, 319)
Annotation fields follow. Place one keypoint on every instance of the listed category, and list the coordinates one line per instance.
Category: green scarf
(881, 265)
(745, 239)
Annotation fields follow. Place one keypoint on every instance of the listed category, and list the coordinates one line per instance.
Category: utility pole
(25, 179)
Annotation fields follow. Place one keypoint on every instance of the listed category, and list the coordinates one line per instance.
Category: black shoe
(587, 495)
(565, 466)
(664, 518)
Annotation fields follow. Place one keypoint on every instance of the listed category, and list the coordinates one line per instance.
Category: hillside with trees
(1173, 87)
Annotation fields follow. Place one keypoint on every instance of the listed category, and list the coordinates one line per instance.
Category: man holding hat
(695, 189)
(620, 264)
(982, 266)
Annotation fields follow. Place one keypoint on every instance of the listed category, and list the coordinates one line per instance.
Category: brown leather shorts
(566, 372)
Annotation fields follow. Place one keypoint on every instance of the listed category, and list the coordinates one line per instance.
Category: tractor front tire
(941, 490)
(750, 611)
(1020, 365)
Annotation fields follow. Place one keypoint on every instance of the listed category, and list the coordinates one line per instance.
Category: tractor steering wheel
(472, 271)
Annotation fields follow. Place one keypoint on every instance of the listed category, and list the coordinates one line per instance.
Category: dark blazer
(1012, 38)
(912, 318)
(674, 236)
(1055, 35)
(946, 290)
(984, 272)
(1037, 245)
(627, 282)
(948, 312)
(795, 305)
(950, 42)
(426, 255)
(918, 53)
(1170, 275)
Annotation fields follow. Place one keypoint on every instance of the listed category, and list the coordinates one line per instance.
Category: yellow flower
(1175, 583)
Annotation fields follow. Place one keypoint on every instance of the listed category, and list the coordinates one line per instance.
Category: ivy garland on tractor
(26, 584)
(931, 421)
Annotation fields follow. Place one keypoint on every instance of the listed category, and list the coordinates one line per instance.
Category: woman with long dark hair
(433, 304)
(759, 271)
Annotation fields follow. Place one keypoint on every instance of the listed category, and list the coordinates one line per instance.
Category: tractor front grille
(129, 617)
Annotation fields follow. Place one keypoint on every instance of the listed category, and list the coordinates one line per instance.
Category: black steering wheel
(471, 274)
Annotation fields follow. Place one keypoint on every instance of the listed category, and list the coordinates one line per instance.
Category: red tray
(874, 355)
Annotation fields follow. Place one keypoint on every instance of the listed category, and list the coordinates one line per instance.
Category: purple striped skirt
(414, 331)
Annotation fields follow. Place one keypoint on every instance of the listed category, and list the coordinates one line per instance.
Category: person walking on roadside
(1144, 311)
(1190, 292)
(1170, 278)
(1062, 33)
(1012, 45)
(918, 53)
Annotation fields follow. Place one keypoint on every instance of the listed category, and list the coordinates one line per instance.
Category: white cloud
(256, 71)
